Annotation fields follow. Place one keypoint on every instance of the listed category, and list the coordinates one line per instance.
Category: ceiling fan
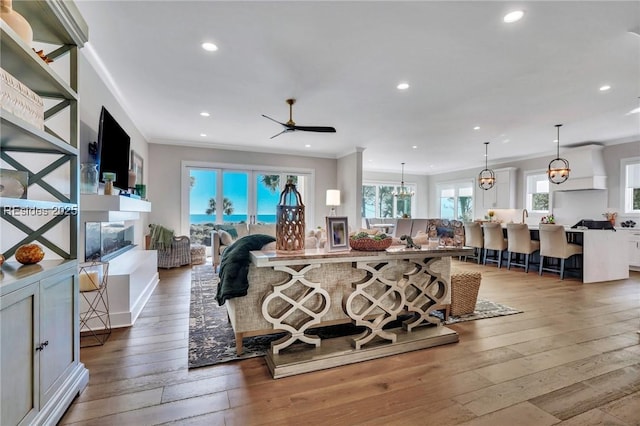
(290, 125)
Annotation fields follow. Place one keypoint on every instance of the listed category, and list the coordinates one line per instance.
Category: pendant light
(486, 178)
(403, 193)
(558, 171)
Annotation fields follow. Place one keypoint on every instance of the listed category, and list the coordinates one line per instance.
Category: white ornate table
(393, 282)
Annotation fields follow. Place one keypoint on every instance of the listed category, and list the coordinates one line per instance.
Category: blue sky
(235, 185)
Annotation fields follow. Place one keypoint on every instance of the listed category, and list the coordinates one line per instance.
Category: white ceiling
(342, 61)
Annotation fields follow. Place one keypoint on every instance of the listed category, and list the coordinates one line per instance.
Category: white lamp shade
(333, 197)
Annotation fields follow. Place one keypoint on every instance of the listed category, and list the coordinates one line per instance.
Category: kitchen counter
(605, 252)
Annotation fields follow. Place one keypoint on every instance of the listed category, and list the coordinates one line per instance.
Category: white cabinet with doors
(40, 372)
(634, 250)
(503, 193)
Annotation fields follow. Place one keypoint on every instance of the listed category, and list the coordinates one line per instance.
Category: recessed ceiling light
(203, 135)
(506, 141)
(555, 141)
(307, 146)
(476, 128)
(514, 16)
(634, 111)
(209, 47)
(605, 88)
(403, 86)
(415, 147)
(205, 114)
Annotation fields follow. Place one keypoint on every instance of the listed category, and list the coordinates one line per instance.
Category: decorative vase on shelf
(88, 178)
(132, 178)
(16, 21)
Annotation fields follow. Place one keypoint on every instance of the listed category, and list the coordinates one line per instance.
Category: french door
(218, 195)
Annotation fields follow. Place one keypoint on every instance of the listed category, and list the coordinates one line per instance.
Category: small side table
(95, 323)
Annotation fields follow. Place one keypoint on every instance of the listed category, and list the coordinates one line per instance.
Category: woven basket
(369, 244)
(464, 292)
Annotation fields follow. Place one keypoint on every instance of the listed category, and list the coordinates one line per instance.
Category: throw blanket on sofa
(234, 266)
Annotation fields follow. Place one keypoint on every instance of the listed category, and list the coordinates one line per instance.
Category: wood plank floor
(572, 358)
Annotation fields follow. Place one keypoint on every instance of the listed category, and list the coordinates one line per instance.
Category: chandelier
(486, 178)
(403, 193)
(558, 171)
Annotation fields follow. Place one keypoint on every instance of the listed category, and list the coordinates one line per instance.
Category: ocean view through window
(227, 196)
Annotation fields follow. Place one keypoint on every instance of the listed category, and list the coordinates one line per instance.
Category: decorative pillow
(421, 238)
(225, 237)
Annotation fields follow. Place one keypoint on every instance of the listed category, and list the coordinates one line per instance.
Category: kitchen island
(604, 253)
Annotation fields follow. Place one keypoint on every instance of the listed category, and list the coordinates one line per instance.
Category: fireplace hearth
(107, 240)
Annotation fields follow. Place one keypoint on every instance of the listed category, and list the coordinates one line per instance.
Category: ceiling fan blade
(324, 129)
(273, 119)
(284, 131)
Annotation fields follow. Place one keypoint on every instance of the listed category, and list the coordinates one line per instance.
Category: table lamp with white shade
(333, 200)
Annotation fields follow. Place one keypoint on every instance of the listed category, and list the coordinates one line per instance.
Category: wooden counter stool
(553, 243)
(493, 240)
(520, 243)
(473, 238)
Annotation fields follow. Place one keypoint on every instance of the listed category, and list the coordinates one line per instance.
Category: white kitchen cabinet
(634, 250)
(503, 193)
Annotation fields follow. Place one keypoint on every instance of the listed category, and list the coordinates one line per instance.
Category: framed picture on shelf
(137, 165)
(337, 233)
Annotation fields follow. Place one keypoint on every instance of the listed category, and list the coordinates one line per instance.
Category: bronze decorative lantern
(290, 221)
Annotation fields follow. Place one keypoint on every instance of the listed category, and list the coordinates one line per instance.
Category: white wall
(94, 94)
(349, 176)
(164, 190)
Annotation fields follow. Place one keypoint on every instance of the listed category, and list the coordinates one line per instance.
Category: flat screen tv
(113, 149)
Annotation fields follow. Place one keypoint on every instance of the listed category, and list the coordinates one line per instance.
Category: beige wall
(164, 189)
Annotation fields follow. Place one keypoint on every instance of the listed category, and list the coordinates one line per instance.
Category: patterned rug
(212, 341)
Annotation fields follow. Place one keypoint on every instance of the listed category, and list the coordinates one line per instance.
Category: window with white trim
(537, 192)
(631, 185)
(456, 200)
(378, 200)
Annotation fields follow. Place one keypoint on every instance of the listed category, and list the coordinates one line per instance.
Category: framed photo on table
(337, 233)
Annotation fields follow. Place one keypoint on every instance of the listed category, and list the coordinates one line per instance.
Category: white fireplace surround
(132, 276)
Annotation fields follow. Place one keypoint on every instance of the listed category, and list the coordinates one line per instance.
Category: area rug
(212, 341)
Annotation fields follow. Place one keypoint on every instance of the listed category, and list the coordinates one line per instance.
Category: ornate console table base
(424, 290)
(286, 318)
(415, 283)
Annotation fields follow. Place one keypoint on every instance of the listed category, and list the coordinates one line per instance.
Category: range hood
(587, 169)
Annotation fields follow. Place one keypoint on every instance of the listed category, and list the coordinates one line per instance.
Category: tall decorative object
(16, 21)
(290, 221)
(486, 178)
(558, 170)
(89, 178)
